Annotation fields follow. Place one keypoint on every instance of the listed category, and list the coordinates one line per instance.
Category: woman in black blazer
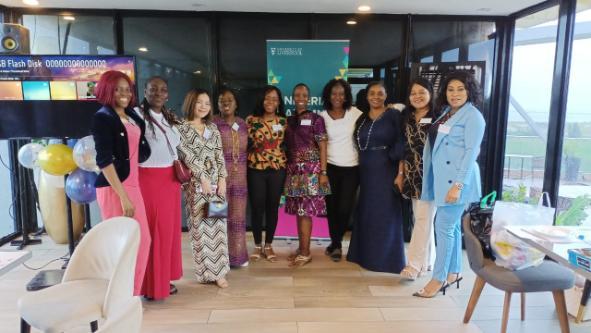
(120, 146)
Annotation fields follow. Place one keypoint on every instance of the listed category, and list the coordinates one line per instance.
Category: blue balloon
(80, 186)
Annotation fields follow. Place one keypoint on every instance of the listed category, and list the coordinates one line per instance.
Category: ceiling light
(351, 22)
(197, 72)
(69, 18)
(143, 49)
(31, 2)
(484, 9)
(364, 8)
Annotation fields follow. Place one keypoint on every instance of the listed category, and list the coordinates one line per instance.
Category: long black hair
(259, 109)
(473, 88)
(410, 110)
(166, 112)
(327, 91)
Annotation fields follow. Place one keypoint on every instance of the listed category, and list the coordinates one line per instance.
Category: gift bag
(510, 251)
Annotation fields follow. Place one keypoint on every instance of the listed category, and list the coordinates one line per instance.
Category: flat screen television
(44, 96)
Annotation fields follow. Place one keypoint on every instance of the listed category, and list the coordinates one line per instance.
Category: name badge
(425, 121)
(207, 133)
(235, 127)
(277, 128)
(306, 122)
(444, 129)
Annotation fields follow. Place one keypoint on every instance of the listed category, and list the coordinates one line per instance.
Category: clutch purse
(182, 172)
(216, 209)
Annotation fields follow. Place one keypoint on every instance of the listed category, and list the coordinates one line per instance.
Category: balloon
(56, 159)
(71, 142)
(85, 154)
(52, 181)
(54, 141)
(28, 154)
(80, 186)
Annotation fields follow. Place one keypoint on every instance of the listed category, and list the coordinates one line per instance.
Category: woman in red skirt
(161, 192)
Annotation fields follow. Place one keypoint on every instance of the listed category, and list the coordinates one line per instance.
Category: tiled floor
(318, 298)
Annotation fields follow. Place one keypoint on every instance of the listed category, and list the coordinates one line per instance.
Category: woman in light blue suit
(451, 176)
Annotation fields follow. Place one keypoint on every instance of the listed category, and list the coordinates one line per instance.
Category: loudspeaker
(14, 39)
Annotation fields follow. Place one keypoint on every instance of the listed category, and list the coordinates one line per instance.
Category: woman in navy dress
(377, 242)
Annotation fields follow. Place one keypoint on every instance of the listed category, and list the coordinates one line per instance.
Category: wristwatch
(459, 186)
(323, 173)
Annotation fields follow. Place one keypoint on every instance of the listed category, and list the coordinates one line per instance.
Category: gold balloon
(56, 159)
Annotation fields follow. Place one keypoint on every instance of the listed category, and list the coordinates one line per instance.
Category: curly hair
(469, 82)
(259, 109)
(327, 91)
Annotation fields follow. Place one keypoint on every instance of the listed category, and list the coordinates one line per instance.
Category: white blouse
(341, 146)
(161, 156)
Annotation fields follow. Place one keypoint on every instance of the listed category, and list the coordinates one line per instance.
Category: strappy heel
(300, 260)
(257, 254)
(457, 280)
(269, 253)
(421, 293)
(409, 273)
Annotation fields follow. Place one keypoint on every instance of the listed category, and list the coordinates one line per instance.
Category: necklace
(368, 134)
(235, 149)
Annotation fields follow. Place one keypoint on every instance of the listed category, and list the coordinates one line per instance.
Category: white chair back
(127, 317)
(108, 251)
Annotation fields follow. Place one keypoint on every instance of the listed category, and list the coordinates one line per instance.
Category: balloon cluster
(57, 159)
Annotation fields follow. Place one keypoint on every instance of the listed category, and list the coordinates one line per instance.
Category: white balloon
(85, 154)
(27, 155)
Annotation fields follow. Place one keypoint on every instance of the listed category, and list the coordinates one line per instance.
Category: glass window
(7, 225)
(452, 55)
(161, 48)
(457, 41)
(575, 180)
(51, 34)
(374, 43)
(529, 108)
(242, 51)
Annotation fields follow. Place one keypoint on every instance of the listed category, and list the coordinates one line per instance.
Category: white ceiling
(440, 7)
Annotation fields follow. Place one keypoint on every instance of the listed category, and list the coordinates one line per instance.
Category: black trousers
(344, 182)
(264, 192)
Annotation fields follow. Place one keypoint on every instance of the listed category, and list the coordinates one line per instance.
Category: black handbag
(216, 209)
(481, 222)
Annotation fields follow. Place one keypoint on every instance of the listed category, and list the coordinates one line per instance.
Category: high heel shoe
(269, 253)
(457, 280)
(257, 254)
(423, 294)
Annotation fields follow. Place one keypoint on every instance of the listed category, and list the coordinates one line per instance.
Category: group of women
(317, 161)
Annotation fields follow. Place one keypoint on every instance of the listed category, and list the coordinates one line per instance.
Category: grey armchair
(549, 276)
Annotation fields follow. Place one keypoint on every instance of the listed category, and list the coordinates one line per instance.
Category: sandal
(423, 294)
(300, 260)
(292, 256)
(257, 254)
(458, 278)
(409, 273)
(173, 289)
(269, 253)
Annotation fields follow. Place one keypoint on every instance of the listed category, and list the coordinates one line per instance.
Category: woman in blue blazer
(451, 176)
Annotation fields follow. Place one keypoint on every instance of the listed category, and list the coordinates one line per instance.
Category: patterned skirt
(209, 240)
(304, 193)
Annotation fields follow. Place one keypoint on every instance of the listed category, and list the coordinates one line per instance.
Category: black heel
(458, 282)
(444, 287)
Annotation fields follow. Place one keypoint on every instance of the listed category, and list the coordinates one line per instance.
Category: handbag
(481, 222)
(181, 170)
(216, 209)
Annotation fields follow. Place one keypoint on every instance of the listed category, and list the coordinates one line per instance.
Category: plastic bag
(481, 222)
(510, 251)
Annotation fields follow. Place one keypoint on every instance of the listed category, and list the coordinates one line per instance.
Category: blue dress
(377, 241)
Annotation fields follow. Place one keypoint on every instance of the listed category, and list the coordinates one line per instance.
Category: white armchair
(127, 317)
(99, 277)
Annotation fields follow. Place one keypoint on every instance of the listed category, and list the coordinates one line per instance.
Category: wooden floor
(321, 297)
